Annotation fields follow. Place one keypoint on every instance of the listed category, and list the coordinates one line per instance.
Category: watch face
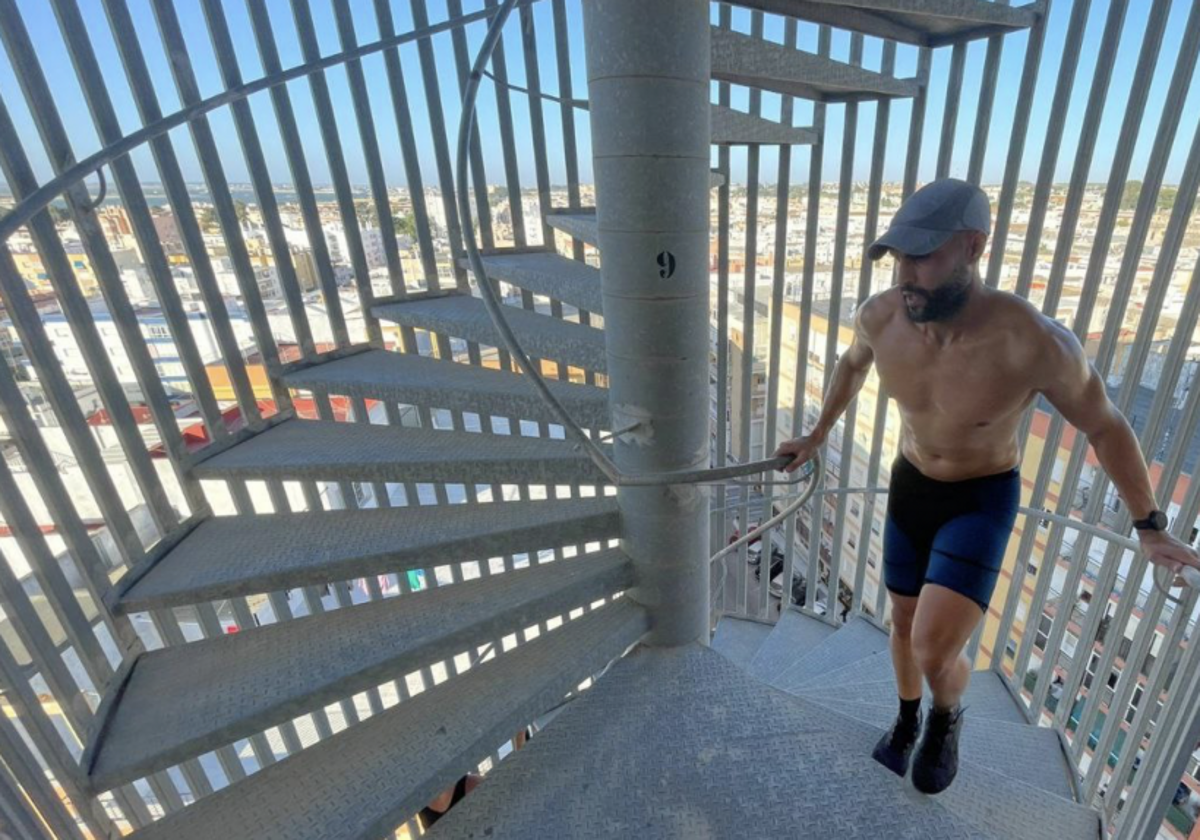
(1159, 520)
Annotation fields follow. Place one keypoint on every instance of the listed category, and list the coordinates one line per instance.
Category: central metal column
(648, 80)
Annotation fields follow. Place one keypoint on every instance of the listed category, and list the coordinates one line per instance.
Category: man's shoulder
(1039, 337)
(1016, 314)
(876, 311)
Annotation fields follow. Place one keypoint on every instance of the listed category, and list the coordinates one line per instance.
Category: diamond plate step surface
(1004, 806)
(307, 449)
(737, 128)
(986, 695)
(680, 742)
(548, 273)
(579, 223)
(466, 317)
(743, 60)
(228, 556)
(930, 23)
(183, 701)
(1031, 754)
(794, 637)
(363, 782)
(738, 639)
(854, 640)
(438, 383)
(877, 666)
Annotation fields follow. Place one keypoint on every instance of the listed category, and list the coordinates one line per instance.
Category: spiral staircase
(768, 732)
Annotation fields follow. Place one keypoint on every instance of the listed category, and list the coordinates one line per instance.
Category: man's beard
(943, 303)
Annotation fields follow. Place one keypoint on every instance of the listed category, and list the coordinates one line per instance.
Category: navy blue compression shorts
(952, 533)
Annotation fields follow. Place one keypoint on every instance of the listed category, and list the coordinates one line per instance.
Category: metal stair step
(363, 782)
(230, 556)
(854, 640)
(986, 695)
(1002, 805)
(795, 636)
(307, 449)
(439, 383)
(680, 742)
(736, 128)
(738, 639)
(1032, 754)
(466, 317)
(929, 23)
(547, 273)
(742, 60)
(180, 702)
(877, 666)
(579, 223)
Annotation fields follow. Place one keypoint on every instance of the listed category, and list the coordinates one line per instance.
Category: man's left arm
(1076, 389)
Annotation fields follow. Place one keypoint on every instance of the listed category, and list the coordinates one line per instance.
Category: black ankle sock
(910, 709)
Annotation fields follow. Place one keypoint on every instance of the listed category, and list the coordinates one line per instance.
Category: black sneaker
(936, 763)
(895, 747)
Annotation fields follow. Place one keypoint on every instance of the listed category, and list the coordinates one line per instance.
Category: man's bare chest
(975, 386)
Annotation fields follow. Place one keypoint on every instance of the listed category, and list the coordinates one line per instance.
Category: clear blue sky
(72, 106)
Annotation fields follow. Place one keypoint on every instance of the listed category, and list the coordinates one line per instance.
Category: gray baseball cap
(932, 215)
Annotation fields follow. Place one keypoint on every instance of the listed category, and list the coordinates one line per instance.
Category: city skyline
(57, 65)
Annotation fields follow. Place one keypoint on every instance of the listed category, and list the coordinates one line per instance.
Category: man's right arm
(848, 376)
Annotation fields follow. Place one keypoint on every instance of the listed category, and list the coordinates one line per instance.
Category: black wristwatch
(1156, 521)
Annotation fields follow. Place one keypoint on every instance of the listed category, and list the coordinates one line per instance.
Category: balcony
(294, 542)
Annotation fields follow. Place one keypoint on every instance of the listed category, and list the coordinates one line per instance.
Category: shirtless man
(963, 361)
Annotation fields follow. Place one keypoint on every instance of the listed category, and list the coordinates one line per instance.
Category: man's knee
(931, 653)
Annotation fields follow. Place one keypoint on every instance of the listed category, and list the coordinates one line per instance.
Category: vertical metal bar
(1164, 268)
(536, 120)
(770, 409)
(1096, 101)
(912, 162)
(987, 98)
(1175, 737)
(441, 151)
(1054, 131)
(45, 237)
(800, 399)
(512, 174)
(874, 193)
(66, 407)
(337, 166)
(958, 60)
(746, 395)
(40, 789)
(370, 142)
(462, 62)
(1020, 133)
(1146, 62)
(44, 737)
(18, 810)
(243, 119)
(54, 495)
(218, 189)
(138, 76)
(281, 100)
(41, 105)
(32, 632)
(722, 431)
(562, 43)
(845, 190)
(408, 146)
